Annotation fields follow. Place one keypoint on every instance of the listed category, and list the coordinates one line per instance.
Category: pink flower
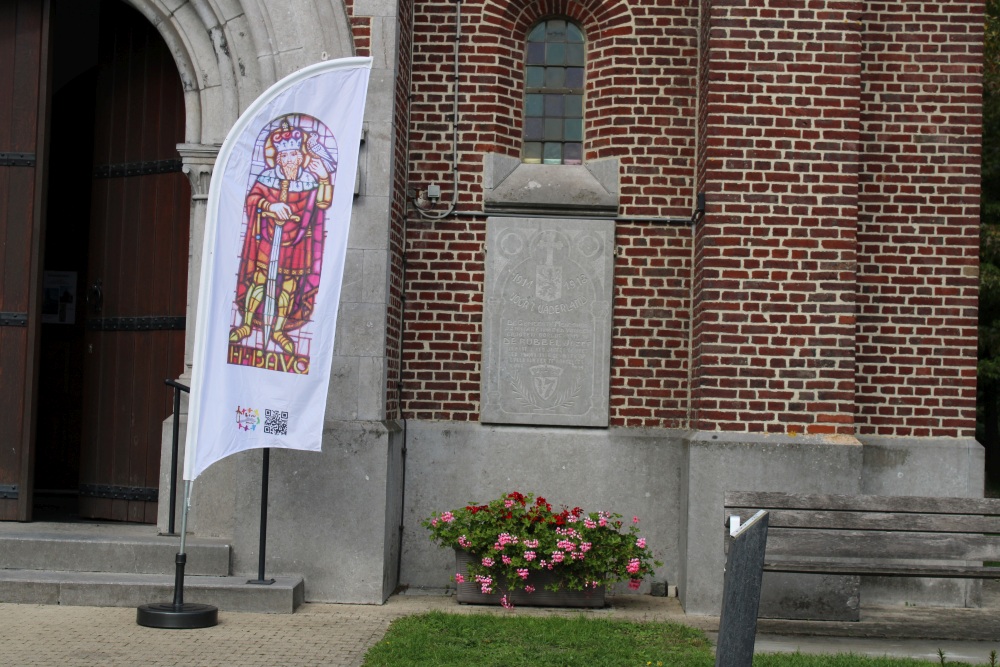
(464, 542)
(459, 578)
(522, 572)
(565, 545)
(634, 584)
(585, 546)
(602, 522)
(578, 555)
(506, 559)
(434, 522)
(488, 562)
(633, 566)
(531, 544)
(529, 589)
(589, 523)
(447, 517)
(529, 556)
(505, 602)
(557, 556)
(641, 543)
(508, 503)
(635, 519)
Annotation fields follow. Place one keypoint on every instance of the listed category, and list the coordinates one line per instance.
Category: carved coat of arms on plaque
(547, 324)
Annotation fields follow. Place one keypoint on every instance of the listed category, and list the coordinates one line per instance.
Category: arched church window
(553, 101)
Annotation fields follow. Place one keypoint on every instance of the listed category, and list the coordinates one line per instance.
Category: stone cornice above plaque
(511, 186)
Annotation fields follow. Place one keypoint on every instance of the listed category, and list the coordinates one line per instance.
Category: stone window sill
(511, 186)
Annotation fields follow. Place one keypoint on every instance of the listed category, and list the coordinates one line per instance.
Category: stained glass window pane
(553, 129)
(555, 105)
(555, 77)
(573, 129)
(555, 54)
(573, 34)
(574, 55)
(572, 153)
(537, 33)
(536, 53)
(552, 153)
(574, 77)
(535, 105)
(533, 129)
(555, 31)
(536, 77)
(533, 152)
(573, 106)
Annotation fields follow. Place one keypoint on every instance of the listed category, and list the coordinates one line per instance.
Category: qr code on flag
(275, 422)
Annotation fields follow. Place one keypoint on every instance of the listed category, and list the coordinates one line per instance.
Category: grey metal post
(741, 593)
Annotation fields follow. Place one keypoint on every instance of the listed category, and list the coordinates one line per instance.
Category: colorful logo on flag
(247, 419)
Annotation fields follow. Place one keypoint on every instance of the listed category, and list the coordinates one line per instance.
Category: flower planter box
(469, 592)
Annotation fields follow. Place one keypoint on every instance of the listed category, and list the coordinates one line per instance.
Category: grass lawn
(485, 640)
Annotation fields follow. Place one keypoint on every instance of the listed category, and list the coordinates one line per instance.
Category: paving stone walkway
(329, 634)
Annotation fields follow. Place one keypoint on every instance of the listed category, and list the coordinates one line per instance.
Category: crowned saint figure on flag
(290, 187)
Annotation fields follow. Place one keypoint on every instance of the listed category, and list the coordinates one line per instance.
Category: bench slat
(869, 545)
(849, 520)
(817, 567)
(909, 504)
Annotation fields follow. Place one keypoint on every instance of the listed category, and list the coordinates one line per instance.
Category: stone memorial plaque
(547, 321)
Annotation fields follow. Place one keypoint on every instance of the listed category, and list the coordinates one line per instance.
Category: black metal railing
(178, 388)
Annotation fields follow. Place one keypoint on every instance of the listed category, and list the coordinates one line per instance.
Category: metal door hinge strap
(17, 159)
(8, 491)
(151, 323)
(13, 319)
(144, 493)
(144, 168)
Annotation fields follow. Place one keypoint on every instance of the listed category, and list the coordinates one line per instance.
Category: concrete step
(97, 547)
(115, 589)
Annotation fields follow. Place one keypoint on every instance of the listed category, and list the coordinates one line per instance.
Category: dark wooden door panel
(23, 52)
(138, 265)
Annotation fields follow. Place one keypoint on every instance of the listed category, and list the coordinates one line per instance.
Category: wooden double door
(94, 289)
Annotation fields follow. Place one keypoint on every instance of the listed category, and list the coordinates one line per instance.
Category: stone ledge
(100, 589)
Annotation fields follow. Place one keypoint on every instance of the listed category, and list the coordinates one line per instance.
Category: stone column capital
(198, 161)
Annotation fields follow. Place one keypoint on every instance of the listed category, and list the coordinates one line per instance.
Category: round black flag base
(187, 616)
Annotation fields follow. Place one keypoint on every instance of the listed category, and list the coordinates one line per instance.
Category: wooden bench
(886, 536)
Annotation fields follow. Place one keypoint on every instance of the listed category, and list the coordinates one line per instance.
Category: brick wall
(918, 236)
(639, 109)
(786, 291)
(774, 334)
(397, 213)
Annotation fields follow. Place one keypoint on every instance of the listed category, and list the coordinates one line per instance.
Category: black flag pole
(179, 615)
(263, 522)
